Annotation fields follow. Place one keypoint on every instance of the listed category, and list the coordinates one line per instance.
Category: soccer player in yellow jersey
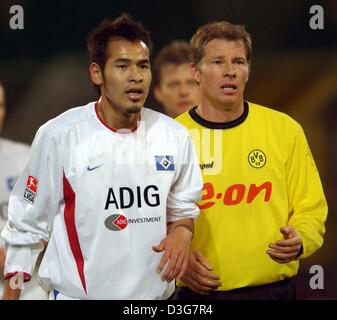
(263, 207)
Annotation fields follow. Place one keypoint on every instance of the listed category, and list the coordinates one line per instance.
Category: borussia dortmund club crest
(257, 158)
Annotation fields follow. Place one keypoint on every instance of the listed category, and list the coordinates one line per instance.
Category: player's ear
(96, 74)
(195, 72)
(158, 94)
(248, 72)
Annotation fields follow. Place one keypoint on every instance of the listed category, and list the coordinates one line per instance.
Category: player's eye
(173, 85)
(122, 66)
(144, 66)
(217, 62)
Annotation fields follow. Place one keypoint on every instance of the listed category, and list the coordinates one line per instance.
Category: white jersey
(104, 199)
(13, 158)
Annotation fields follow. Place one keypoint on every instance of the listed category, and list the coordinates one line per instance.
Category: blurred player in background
(13, 158)
(263, 207)
(175, 87)
(112, 184)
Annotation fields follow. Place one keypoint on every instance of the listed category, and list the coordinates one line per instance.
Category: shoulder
(184, 118)
(68, 119)
(274, 117)
(162, 121)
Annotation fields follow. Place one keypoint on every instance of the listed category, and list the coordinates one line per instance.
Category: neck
(220, 113)
(116, 119)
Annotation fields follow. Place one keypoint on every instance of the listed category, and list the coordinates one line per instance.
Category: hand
(175, 246)
(288, 249)
(199, 276)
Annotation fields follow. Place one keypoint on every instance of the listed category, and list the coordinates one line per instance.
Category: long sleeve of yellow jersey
(307, 204)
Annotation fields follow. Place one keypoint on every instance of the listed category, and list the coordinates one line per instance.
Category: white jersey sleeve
(186, 191)
(30, 211)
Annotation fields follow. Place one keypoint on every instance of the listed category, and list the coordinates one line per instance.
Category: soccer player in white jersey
(112, 185)
(13, 157)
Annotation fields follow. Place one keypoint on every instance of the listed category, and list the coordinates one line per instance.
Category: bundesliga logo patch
(164, 163)
(31, 189)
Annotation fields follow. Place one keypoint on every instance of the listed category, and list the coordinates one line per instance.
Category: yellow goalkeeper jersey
(259, 175)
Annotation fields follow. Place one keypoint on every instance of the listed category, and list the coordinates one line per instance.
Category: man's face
(2, 107)
(222, 73)
(177, 90)
(126, 75)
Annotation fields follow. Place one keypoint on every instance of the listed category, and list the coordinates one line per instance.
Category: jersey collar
(220, 125)
(110, 128)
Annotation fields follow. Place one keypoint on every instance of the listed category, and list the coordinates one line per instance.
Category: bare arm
(9, 292)
(13, 285)
(176, 247)
(2, 260)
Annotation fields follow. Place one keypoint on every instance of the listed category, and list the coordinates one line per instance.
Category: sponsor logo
(257, 158)
(126, 197)
(206, 165)
(144, 220)
(235, 194)
(31, 189)
(118, 222)
(93, 168)
(164, 163)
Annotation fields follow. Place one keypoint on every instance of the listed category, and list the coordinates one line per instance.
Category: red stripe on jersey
(69, 219)
(101, 120)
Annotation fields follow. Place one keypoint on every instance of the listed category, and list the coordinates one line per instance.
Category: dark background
(44, 69)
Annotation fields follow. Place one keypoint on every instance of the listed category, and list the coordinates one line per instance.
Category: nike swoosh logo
(93, 168)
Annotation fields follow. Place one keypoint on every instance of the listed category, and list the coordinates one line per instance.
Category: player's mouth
(185, 104)
(229, 88)
(135, 94)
